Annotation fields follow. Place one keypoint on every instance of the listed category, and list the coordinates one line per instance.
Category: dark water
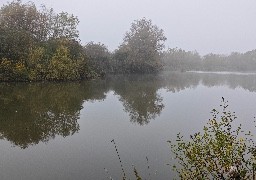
(64, 130)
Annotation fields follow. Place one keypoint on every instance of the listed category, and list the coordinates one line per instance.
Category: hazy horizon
(212, 26)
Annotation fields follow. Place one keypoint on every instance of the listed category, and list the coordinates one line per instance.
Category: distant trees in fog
(178, 59)
(141, 47)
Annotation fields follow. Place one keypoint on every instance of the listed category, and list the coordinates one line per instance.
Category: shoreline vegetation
(221, 150)
(37, 44)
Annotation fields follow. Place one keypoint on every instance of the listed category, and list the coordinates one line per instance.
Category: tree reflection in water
(33, 113)
(139, 97)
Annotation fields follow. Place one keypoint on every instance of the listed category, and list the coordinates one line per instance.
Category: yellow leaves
(19, 67)
(12, 71)
(5, 62)
(35, 56)
(62, 67)
(221, 146)
(198, 137)
(241, 139)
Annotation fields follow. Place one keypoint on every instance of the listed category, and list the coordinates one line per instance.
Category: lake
(64, 130)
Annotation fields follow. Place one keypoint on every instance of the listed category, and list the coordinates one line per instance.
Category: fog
(206, 26)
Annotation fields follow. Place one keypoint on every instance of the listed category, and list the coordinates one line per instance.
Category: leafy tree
(62, 66)
(99, 58)
(141, 47)
(42, 24)
(37, 44)
(24, 26)
(36, 64)
(65, 26)
(26, 18)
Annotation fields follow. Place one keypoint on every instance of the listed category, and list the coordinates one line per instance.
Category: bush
(36, 64)
(62, 67)
(11, 71)
(221, 151)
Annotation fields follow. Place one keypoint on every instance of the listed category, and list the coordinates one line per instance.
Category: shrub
(221, 151)
(62, 67)
(36, 63)
(11, 71)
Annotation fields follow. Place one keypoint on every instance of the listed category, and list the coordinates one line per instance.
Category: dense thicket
(37, 44)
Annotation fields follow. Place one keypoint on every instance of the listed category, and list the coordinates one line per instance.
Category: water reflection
(247, 82)
(33, 113)
(176, 82)
(139, 97)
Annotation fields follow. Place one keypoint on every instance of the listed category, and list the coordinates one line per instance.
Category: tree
(24, 26)
(64, 67)
(141, 47)
(178, 59)
(99, 57)
(42, 23)
(36, 43)
(65, 26)
(26, 17)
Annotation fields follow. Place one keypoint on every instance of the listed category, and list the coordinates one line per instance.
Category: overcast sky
(218, 26)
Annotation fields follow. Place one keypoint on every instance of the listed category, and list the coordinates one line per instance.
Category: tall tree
(99, 57)
(23, 25)
(141, 47)
(33, 39)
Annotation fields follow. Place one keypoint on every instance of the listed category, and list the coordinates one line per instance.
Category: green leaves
(216, 151)
(99, 58)
(140, 50)
(65, 26)
(12, 71)
(62, 66)
(36, 45)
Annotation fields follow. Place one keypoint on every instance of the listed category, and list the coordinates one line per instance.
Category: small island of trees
(37, 44)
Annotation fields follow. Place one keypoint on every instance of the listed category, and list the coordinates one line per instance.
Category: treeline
(37, 44)
(181, 60)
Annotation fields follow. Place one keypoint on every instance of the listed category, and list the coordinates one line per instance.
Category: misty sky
(218, 26)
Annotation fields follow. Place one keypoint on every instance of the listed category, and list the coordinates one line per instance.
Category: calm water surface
(64, 130)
